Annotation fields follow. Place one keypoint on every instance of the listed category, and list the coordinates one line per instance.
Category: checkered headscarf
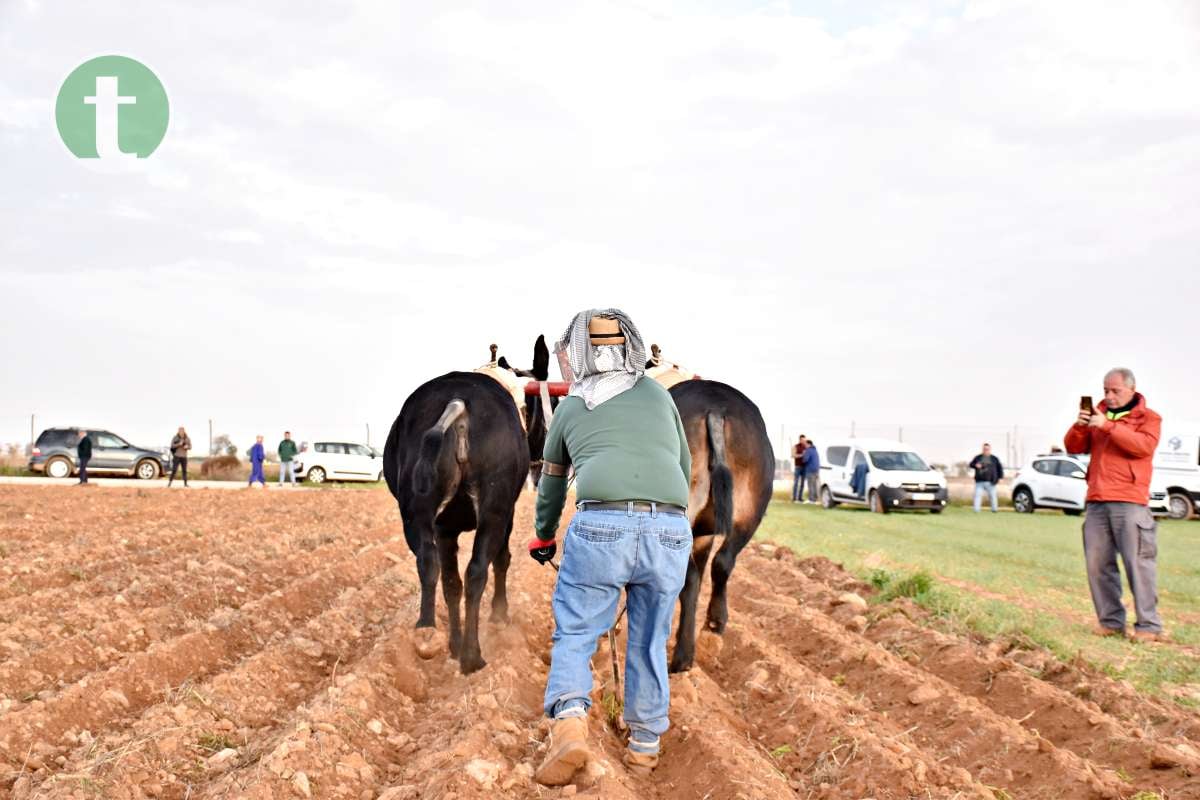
(590, 382)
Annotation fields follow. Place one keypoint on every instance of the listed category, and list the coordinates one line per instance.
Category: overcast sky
(926, 212)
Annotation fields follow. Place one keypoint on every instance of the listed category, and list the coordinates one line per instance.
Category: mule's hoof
(429, 642)
(471, 663)
(680, 665)
(709, 646)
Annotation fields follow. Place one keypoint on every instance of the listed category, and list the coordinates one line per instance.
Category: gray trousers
(811, 480)
(1127, 529)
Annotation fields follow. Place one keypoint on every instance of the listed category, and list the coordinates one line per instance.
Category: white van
(891, 475)
(1177, 465)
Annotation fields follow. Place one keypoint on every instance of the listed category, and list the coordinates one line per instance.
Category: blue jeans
(980, 488)
(646, 554)
(797, 482)
(256, 472)
(287, 468)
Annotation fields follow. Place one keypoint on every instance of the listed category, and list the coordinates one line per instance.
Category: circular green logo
(112, 107)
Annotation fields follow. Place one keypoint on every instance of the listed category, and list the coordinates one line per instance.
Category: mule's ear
(503, 363)
(541, 359)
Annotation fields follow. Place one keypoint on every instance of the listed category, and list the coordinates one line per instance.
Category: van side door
(834, 470)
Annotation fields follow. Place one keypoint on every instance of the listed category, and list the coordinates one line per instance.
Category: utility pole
(210, 452)
(32, 417)
(900, 433)
(368, 434)
(851, 429)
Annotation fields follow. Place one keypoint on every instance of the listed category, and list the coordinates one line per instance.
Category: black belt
(643, 506)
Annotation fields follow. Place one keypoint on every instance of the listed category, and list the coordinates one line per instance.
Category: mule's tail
(431, 446)
(720, 476)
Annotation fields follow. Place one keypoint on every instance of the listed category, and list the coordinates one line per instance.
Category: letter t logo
(106, 100)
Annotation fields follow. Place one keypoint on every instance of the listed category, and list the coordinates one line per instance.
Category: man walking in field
(622, 432)
(1121, 435)
(287, 452)
(257, 456)
(988, 473)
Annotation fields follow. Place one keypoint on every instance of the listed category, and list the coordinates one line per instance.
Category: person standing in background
(798, 467)
(257, 456)
(287, 452)
(84, 452)
(180, 445)
(988, 473)
(812, 471)
(1121, 435)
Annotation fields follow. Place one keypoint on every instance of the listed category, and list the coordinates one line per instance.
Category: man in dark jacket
(181, 443)
(287, 452)
(84, 451)
(988, 473)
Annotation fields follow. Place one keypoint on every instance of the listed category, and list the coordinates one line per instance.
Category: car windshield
(897, 460)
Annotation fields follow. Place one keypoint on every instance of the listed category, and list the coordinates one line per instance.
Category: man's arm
(999, 469)
(974, 463)
(1136, 442)
(552, 489)
(1078, 439)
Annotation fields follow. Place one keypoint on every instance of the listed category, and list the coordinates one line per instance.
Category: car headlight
(891, 485)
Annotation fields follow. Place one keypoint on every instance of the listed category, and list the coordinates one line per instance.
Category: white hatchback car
(339, 461)
(1060, 481)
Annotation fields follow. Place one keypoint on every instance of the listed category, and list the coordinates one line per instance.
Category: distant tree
(961, 469)
(223, 446)
(14, 450)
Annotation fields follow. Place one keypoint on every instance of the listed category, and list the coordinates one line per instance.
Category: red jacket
(1122, 452)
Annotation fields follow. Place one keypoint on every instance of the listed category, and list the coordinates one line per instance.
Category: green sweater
(631, 447)
(287, 450)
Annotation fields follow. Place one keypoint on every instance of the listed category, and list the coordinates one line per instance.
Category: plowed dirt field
(197, 644)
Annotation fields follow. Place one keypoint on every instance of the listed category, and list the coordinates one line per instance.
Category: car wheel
(316, 475)
(827, 500)
(1180, 506)
(379, 477)
(935, 510)
(1022, 501)
(876, 503)
(1072, 512)
(147, 470)
(58, 468)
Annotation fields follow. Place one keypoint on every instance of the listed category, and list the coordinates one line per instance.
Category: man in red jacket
(1121, 436)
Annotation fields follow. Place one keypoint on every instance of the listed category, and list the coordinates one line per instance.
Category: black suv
(54, 453)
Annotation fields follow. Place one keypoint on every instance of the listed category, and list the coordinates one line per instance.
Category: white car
(1060, 481)
(339, 461)
(891, 476)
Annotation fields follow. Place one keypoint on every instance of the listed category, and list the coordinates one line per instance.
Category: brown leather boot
(1100, 630)
(639, 764)
(568, 752)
